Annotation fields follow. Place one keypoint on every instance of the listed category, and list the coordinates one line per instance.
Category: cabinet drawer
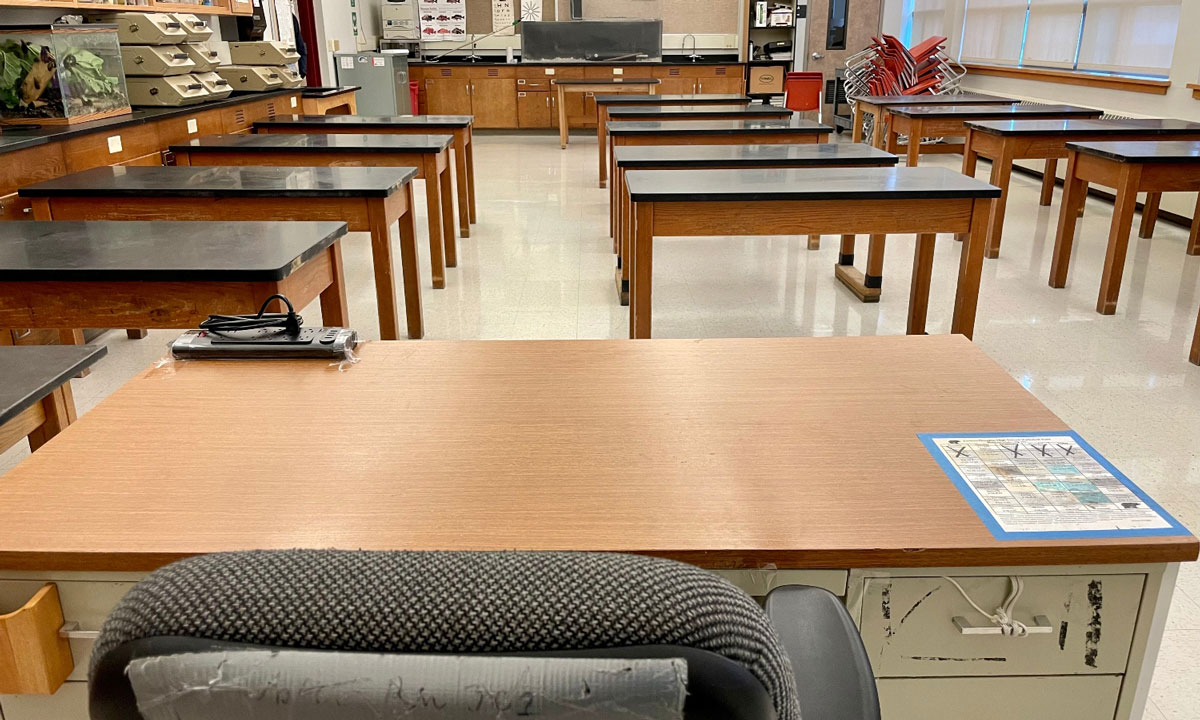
(1084, 697)
(536, 73)
(15, 208)
(85, 602)
(542, 83)
(109, 148)
(69, 703)
(477, 73)
(908, 629)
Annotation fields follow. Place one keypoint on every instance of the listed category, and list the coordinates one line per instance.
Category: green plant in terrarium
(63, 74)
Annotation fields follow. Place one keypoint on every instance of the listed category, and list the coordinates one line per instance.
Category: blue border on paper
(985, 515)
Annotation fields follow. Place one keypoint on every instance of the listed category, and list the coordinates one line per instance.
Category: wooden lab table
(744, 465)
(337, 100)
(366, 199)
(1128, 167)
(428, 154)
(460, 126)
(763, 131)
(171, 275)
(613, 85)
(918, 121)
(874, 201)
(35, 393)
(1005, 141)
(701, 157)
(877, 106)
(604, 102)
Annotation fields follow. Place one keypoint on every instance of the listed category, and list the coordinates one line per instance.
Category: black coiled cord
(289, 321)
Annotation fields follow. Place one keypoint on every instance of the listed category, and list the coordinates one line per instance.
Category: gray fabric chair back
(453, 603)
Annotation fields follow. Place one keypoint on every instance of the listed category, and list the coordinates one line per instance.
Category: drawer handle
(1002, 622)
(71, 631)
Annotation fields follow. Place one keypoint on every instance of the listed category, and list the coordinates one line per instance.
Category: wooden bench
(697, 157)
(460, 126)
(366, 199)
(603, 102)
(918, 121)
(611, 85)
(338, 100)
(766, 131)
(873, 201)
(1005, 141)
(36, 402)
(877, 106)
(429, 154)
(1128, 167)
(169, 275)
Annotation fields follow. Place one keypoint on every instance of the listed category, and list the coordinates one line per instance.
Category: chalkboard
(591, 40)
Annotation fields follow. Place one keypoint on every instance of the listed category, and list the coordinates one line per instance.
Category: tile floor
(539, 265)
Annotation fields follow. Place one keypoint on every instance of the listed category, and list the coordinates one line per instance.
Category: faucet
(693, 57)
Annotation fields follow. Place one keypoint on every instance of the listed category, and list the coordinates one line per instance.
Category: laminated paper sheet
(1046, 485)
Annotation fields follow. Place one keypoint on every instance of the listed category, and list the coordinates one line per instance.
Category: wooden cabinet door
(719, 85)
(676, 86)
(533, 109)
(494, 102)
(447, 96)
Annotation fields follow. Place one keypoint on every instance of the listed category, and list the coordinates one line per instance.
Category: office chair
(329, 634)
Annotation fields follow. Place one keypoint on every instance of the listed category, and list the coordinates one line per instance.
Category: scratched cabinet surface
(908, 629)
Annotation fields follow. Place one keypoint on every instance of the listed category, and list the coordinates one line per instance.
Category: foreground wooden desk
(763, 131)
(172, 275)
(877, 105)
(1004, 141)
(35, 391)
(366, 199)
(612, 85)
(338, 100)
(730, 454)
(697, 157)
(1129, 168)
(429, 154)
(604, 102)
(874, 201)
(918, 121)
(457, 125)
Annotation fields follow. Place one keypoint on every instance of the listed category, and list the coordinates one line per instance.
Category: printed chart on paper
(1050, 484)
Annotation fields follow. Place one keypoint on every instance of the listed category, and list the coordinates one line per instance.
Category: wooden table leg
(860, 118)
(1118, 237)
(814, 242)
(381, 259)
(626, 232)
(865, 286)
(1194, 356)
(433, 211)
(892, 144)
(970, 271)
(1149, 214)
(447, 196)
(970, 163)
(464, 192)
(881, 130)
(642, 256)
(601, 137)
(562, 117)
(1193, 247)
(59, 409)
(334, 311)
(922, 277)
(1049, 175)
(410, 271)
(136, 334)
(914, 142)
(612, 197)
(1001, 176)
(470, 134)
(614, 201)
(1074, 190)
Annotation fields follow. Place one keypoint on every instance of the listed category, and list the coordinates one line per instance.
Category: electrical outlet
(114, 144)
(192, 126)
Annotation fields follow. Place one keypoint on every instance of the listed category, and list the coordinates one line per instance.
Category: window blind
(993, 30)
(1052, 34)
(1131, 36)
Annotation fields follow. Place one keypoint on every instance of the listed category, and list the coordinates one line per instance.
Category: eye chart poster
(1046, 485)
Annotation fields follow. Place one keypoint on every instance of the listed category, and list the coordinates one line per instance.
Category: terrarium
(58, 74)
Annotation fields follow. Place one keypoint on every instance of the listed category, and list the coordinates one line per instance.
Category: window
(1052, 34)
(928, 19)
(835, 36)
(993, 30)
(1135, 37)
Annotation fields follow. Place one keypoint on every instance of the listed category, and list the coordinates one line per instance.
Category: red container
(414, 92)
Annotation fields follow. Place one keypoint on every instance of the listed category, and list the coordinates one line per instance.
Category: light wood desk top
(802, 452)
